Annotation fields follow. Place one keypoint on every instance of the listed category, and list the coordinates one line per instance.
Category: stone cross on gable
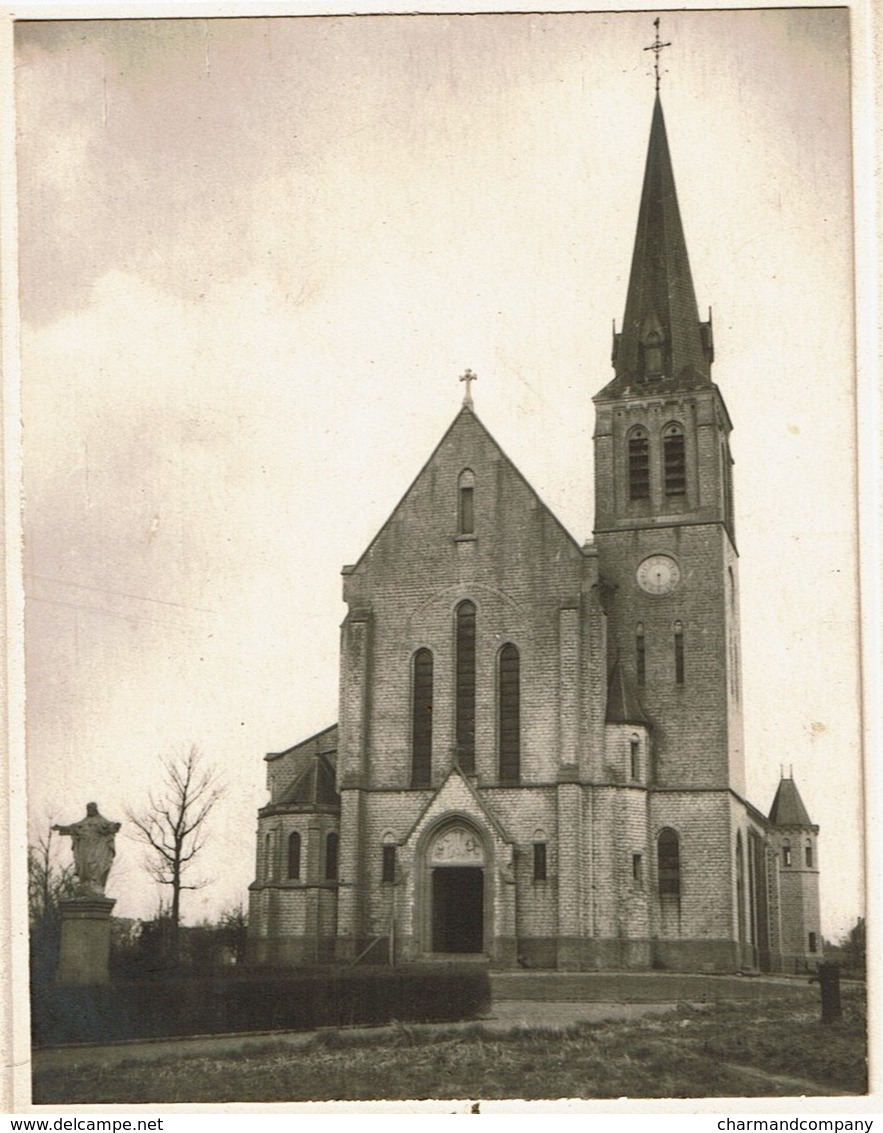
(469, 377)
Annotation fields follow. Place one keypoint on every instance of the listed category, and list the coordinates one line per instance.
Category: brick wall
(519, 568)
(696, 729)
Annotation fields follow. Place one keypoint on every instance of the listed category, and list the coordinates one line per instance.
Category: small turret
(793, 838)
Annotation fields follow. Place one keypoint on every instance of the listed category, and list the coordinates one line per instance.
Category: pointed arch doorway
(455, 861)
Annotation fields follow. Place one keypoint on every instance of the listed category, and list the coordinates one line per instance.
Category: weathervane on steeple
(468, 378)
(656, 48)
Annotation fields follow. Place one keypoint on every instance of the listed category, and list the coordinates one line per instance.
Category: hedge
(255, 1000)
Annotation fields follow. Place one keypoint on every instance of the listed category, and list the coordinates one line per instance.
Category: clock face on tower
(658, 574)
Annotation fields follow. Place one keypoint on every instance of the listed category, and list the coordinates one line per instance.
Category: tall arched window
(510, 714)
(808, 855)
(466, 686)
(421, 719)
(294, 855)
(669, 861)
(466, 503)
(639, 465)
(674, 461)
(332, 846)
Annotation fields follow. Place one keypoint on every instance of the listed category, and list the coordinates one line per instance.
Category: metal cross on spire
(468, 378)
(656, 47)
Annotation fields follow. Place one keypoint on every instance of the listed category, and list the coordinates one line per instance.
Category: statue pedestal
(85, 940)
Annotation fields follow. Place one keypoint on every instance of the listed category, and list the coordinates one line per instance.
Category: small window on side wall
(808, 855)
(637, 868)
(269, 857)
(679, 653)
(669, 861)
(294, 856)
(813, 942)
(539, 861)
(332, 844)
(786, 854)
(388, 869)
(635, 757)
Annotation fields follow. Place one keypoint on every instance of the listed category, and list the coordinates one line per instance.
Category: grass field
(771, 1048)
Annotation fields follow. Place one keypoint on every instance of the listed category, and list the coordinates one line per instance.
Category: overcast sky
(256, 255)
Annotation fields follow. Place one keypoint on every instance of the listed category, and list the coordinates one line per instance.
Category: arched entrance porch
(455, 890)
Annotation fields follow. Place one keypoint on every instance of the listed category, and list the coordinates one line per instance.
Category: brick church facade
(539, 752)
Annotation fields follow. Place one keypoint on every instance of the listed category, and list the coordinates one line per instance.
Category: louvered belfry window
(421, 716)
(639, 465)
(510, 714)
(674, 457)
(466, 686)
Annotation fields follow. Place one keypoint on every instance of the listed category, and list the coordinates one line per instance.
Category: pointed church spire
(662, 341)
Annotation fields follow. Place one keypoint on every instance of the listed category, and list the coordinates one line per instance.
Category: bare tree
(173, 825)
(48, 883)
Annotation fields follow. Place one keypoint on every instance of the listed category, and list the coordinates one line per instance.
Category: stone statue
(92, 841)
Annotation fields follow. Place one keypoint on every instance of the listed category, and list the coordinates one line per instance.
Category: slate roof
(623, 705)
(660, 291)
(788, 808)
(314, 786)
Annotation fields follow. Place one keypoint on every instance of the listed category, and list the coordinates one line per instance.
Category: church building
(539, 754)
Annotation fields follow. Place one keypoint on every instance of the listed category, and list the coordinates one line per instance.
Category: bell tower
(664, 522)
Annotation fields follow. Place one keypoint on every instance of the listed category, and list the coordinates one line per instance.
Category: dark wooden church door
(458, 909)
